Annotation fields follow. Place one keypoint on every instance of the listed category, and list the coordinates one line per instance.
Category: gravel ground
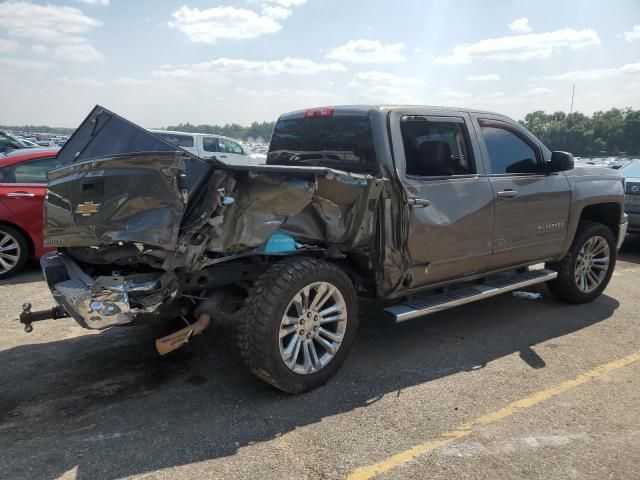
(86, 405)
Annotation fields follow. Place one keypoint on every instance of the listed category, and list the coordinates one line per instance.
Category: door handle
(507, 194)
(418, 202)
(20, 194)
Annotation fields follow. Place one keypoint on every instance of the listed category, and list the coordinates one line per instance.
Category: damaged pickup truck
(424, 207)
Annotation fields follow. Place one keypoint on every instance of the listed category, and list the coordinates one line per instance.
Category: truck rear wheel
(299, 324)
(586, 269)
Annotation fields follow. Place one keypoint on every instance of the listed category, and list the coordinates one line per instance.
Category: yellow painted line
(467, 428)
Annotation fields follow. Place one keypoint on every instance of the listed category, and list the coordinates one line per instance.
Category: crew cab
(426, 208)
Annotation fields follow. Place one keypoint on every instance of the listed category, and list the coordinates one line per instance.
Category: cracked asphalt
(86, 405)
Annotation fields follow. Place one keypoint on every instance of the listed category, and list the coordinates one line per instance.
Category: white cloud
(54, 24)
(77, 52)
(45, 22)
(277, 12)
(224, 22)
(306, 97)
(528, 100)
(520, 25)
(368, 51)
(521, 47)
(237, 66)
(484, 78)
(594, 74)
(75, 83)
(8, 46)
(38, 49)
(130, 82)
(453, 95)
(288, 3)
(17, 63)
(537, 92)
(387, 87)
(633, 35)
(104, 3)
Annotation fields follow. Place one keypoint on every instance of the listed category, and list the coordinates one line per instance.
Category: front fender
(597, 186)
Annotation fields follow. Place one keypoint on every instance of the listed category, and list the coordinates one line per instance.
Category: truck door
(531, 207)
(449, 198)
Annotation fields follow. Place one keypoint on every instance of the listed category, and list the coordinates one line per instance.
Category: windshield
(343, 142)
(632, 170)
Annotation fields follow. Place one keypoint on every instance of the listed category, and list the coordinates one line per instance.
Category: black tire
(565, 285)
(23, 253)
(269, 299)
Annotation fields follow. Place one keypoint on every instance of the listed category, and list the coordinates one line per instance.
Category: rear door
(531, 207)
(22, 191)
(450, 200)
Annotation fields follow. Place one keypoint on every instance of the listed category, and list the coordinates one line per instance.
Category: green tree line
(38, 129)
(614, 132)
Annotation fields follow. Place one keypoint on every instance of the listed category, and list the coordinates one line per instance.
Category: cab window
(509, 152)
(227, 146)
(436, 148)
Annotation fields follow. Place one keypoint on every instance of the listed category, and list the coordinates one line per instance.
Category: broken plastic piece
(280, 242)
(180, 338)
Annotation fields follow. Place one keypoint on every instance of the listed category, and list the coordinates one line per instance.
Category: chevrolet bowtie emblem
(87, 208)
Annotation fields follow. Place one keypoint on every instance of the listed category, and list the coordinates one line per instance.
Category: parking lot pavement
(86, 405)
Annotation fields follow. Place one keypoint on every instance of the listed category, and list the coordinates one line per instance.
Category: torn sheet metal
(261, 205)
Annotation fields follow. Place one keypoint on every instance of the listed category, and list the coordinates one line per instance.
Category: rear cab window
(342, 140)
(184, 141)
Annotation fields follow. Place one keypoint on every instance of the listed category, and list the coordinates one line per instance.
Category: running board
(431, 303)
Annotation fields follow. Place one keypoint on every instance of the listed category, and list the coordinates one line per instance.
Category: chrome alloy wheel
(592, 264)
(9, 252)
(313, 327)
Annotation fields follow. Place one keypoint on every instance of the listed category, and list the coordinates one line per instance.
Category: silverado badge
(87, 208)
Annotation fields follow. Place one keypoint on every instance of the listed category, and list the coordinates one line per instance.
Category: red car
(23, 184)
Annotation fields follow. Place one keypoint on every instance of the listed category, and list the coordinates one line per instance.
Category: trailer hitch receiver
(27, 317)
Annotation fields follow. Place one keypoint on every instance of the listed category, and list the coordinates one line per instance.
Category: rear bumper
(105, 301)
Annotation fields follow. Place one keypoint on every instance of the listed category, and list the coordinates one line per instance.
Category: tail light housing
(318, 112)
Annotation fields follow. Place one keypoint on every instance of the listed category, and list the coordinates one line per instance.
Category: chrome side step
(431, 303)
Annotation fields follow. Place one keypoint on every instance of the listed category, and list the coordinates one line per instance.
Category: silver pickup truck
(426, 208)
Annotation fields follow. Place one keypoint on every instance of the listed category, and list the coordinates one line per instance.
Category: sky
(162, 62)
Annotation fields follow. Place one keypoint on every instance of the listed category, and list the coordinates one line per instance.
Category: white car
(207, 146)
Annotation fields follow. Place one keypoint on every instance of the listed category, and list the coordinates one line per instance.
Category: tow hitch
(27, 317)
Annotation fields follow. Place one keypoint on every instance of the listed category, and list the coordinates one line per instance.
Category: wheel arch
(606, 212)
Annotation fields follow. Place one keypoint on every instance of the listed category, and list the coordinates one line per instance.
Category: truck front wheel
(586, 269)
(299, 324)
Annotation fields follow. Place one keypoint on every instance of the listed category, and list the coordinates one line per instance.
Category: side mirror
(560, 162)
